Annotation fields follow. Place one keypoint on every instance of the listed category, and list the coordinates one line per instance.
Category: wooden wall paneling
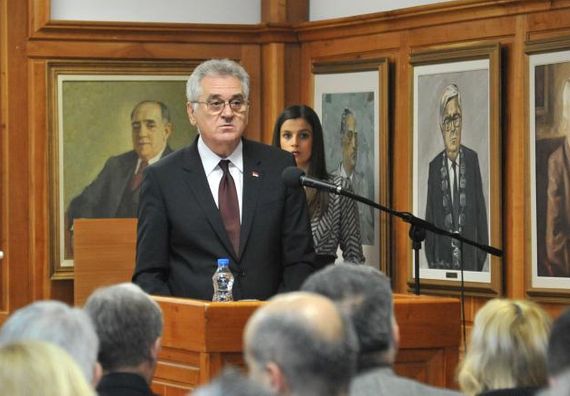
(291, 11)
(250, 56)
(402, 151)
(15, 162)
(549, 23)
(515, 132)
(293, 80)
(38, 176)
(452, 32)
(4, 285)
(273, 83)
(125, 50)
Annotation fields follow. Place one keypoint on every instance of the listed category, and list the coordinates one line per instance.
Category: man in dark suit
(222, 196)
(115, 191)
(455, 200)
(364, 295)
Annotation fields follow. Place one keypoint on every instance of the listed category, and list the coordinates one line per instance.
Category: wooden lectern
(200, 337)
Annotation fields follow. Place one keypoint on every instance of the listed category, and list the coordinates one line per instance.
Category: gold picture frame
(473, 70)
(361, 85)
(89, 107)
(547, 82)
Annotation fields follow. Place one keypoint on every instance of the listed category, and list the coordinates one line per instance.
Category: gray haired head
(218, 68)
(290, 331)
(364, 294)
(128, 323)
(57, 323)
(450, 92)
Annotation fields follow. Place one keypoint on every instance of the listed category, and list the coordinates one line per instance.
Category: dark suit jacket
(558, 211)
(123, 384)
(438, 248)
(181, 233)
(101, 198)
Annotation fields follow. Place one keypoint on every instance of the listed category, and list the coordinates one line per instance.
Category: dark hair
(318, 202)
(558, 356)
(164, 112)
(345, 114)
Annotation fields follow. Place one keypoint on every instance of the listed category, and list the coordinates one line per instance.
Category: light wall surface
(210, 11)
(168, 11)
(327, 9)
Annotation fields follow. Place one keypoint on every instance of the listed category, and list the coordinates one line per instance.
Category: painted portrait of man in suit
(455, 200)
(552, 172)
(108, 140)
(348, 121)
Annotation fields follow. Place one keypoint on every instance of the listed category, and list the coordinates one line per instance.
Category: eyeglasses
(216, 106)
(452, 122)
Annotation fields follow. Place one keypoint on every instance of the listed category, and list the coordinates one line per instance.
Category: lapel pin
(255, 173)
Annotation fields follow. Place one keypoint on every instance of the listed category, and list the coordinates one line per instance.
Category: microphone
(293, 176)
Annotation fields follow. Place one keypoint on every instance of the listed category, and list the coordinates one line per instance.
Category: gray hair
(58, 323)
(215, 67)
(364, 294)
(231, 383)
(450, 92)
(311, 364)
(128, 323)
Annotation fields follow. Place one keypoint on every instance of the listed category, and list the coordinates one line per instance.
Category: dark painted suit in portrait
(109, 194)
(181, 232)
(468, 215)
(558, 212)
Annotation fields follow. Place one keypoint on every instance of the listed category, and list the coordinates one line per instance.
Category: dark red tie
(229, 206)
(137, 178)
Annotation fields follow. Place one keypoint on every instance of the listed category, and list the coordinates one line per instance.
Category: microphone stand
(418, 228)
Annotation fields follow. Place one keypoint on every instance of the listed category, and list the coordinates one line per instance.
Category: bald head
(317, 313)
(304, 338)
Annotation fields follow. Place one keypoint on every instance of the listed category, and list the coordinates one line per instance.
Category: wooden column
(279, 64)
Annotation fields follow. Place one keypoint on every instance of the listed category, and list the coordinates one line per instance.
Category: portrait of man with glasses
(222, 196)
(455, 199)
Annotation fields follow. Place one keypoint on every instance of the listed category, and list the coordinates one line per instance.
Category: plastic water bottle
(223, 281)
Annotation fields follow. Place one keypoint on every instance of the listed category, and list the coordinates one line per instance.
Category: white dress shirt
(211, 164)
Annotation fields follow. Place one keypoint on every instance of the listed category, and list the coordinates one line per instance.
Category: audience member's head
(58, 323)
(129, 326)
(300, 344)
(507, 349)
(232, 383)
(558, 357)
(40, 368)
(364, 294)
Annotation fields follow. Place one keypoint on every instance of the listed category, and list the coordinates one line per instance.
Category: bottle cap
(224, 261)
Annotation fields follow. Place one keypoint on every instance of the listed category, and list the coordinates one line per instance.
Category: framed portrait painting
(93, 150)
(357, 91)
(456, 165)
(548, 91)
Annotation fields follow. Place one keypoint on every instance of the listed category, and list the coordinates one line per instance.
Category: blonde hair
(40, 368)
(508, 347)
